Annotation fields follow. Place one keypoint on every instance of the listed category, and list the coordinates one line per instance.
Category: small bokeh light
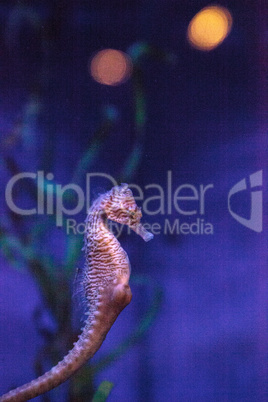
(110, 67)
(209, 28)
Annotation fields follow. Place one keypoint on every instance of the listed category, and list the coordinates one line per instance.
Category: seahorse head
(123, 209)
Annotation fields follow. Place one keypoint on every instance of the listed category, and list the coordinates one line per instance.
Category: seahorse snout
(141, 231)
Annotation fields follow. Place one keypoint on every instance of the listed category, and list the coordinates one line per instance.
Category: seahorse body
(105, 285)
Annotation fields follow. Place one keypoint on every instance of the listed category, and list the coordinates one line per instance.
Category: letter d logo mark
(255, 220)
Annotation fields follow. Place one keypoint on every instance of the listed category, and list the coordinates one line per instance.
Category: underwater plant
(21, 240)
(104, 283)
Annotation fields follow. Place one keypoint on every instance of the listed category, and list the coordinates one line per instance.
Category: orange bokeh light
(209, 27)
(111, 67)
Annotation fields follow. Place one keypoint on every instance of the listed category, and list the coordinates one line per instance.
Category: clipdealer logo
(255, 221)
(188, 201)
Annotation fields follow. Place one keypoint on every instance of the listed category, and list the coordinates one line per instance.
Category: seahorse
(104, 281)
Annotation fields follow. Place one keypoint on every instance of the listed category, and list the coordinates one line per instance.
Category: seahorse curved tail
(109, 305)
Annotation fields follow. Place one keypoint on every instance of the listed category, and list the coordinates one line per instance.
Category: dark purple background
(207, 124)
